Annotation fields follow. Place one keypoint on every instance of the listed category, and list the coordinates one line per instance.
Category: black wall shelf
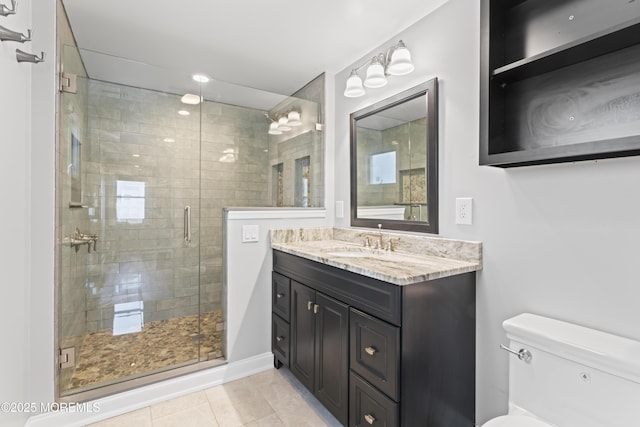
(560, 81)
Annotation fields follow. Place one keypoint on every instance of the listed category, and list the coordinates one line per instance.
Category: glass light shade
(400, 62)
(293, 118)
(375, 75)
(273, 129)
(354, 87)
(283, 124)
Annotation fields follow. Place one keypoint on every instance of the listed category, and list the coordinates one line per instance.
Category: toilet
(565, 375)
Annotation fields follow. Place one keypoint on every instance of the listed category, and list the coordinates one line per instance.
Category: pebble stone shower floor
(104, 358)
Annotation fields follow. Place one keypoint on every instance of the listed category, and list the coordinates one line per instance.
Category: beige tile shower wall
(147, 259)
(311, 143)
(287, 152)
(408, 141)
(136, 136)
(235, 171)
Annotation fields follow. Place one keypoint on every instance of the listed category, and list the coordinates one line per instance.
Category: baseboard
(118, 404)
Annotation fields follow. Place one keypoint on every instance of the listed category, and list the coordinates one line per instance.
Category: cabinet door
(332, 347)
(302, 358)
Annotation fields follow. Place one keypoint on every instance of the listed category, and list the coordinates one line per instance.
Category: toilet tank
(576, 377)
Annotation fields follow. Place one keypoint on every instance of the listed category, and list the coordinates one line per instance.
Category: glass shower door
(129, 236)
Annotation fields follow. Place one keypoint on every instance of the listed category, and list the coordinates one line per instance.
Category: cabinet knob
(309, 305)
(370, 350)
(280, 338)
(315, 308)
(279, 295)
(370, 419)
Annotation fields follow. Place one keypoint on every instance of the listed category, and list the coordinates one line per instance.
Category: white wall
(559, 240)
(15, 104)
(248, 269)
(26, 175)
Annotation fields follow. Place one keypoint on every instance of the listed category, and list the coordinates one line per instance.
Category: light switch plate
(250, 233)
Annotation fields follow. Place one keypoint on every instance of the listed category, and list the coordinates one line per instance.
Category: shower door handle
(187, 224)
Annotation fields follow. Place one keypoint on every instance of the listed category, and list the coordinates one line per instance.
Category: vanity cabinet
(319, 347)
(375, 353)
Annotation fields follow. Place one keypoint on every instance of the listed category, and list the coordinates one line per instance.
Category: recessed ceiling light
(201, 78)
(169, 140)
(191, 99)
(136, 155)
(183, 112)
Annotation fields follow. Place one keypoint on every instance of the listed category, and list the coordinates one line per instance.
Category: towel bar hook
(22, 56)
(5, 11)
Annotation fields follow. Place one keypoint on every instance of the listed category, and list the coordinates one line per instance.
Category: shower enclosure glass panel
(130, 300)
(142, 180)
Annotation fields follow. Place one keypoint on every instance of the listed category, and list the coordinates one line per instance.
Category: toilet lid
(515, 421)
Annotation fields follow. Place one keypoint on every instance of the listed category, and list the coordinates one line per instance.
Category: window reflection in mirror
(394, 170)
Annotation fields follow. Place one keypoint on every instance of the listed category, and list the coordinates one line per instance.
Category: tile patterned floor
(104, 358)
(269, 399)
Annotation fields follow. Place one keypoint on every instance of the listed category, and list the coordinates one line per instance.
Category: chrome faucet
(381, 237)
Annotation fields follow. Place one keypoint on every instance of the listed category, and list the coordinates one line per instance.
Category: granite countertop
(416, 259)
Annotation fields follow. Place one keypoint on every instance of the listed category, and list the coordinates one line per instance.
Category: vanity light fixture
(280, 123)
(396, 62)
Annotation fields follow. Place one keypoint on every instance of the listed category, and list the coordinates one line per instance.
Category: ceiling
(273, 46)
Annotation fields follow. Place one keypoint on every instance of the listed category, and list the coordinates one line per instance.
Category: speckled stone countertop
(415, 259)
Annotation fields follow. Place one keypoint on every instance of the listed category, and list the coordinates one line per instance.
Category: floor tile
(273, 398)
(179, 404)
(271, 421)
(139, 418)
(196, 416)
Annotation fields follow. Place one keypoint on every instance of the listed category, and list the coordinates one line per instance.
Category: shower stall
(144, 170)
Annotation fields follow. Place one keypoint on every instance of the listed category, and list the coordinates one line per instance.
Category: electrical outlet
(464, 210)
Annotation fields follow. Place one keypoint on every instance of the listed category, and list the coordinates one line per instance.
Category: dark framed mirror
(394, 162)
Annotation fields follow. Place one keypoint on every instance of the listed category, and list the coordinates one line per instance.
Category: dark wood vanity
(375, 353)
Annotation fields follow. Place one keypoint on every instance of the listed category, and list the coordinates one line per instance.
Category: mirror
(394, 162)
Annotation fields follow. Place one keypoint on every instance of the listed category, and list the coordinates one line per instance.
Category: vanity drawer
(374, 350)
(280, 339)
(369, 407)
(281, 296)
